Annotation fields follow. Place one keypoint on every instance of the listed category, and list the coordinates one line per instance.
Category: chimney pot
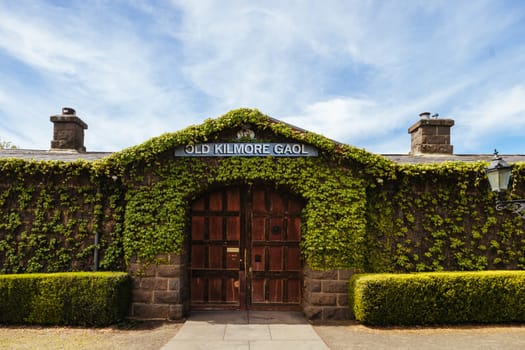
(68, 111)
(424, 115)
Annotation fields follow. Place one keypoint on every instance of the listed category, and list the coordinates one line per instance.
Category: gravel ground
(131, 336)
(358, 337)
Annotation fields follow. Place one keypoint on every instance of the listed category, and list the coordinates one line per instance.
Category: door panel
(275, 287)
(258, 229)
(215, 253)
(294, 229)
(258, 295)
(198, 254)
(198, 289)
(258, 201)
(233, 228)
(294, 290)
(275, 258)
(276, 203)
(233, 200)
(293, 259)
(215, 226)
(259, 225)
(276, 266)
(215, 259)
(215, 201)
(215, 290)
(198, 225)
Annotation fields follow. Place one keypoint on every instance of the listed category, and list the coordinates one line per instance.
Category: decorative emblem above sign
(246, 150)
(245, 132)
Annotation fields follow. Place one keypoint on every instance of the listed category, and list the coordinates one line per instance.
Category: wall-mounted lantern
(499, 172)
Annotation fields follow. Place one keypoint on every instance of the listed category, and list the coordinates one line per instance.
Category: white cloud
(281, 57)
(277, 56)
(341, 68)
(340, 118)
(104, 75)
(37, 46)
(366, 121)
(498, 114)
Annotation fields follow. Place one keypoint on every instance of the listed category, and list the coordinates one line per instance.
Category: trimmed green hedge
(76, 298)
(438, 298)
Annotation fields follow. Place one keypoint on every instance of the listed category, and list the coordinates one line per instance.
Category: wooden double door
(245, 250)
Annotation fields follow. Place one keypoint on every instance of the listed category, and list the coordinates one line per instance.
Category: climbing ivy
(333, 185)
(361, 210)
(334, 222)
(50, 213)
(442, 217)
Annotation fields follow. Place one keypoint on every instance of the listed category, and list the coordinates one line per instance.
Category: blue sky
(359, 72)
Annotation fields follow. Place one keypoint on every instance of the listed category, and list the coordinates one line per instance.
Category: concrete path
(246, 330)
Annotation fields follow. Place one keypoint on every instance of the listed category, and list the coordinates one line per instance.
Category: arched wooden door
(245, 250)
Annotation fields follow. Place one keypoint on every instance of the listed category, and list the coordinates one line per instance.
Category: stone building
(230, 210)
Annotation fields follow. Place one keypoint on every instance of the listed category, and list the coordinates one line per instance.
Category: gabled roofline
(235, 118)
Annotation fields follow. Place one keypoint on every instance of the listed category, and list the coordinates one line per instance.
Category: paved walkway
(218, 330)
(250, 330)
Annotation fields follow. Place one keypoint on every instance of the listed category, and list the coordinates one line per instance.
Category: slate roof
(65, 155)
(439, 158)
(69, 156)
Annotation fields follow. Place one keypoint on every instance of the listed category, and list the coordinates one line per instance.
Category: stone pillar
(68, 131)
(326, 294)
(158, 289)
(431, 135)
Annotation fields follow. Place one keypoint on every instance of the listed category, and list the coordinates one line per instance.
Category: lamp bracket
(517, 206)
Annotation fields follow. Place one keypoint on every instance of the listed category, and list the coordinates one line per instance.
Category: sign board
(246, 150)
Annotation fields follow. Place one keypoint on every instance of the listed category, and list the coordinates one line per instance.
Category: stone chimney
(68, 131)
(431, 135)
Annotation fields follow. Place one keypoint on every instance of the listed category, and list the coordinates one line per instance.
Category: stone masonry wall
(158, 289)
(326, 294)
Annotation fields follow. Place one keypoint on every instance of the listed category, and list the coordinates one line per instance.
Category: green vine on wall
(361, 210)
(161, 188)
(442, 217)
(50, 212)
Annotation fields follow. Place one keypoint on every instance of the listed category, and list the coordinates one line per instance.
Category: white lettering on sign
(197, 149)
(290, 149)
(246, 150)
